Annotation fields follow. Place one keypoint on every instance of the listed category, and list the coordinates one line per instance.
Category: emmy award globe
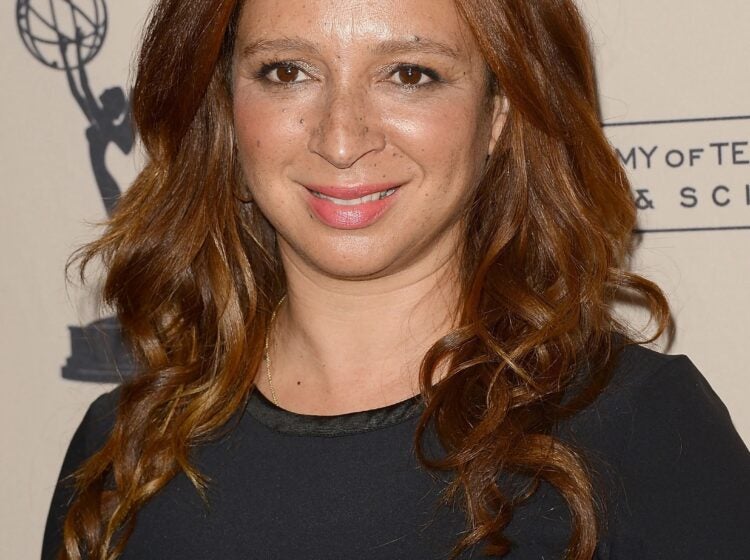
(47, 26)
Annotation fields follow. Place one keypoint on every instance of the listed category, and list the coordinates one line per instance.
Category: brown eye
(287, 74)
(410, 75)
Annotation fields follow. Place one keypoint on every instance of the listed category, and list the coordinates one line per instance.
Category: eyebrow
(390, 47)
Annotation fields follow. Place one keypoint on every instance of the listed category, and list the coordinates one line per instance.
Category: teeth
(369, 198)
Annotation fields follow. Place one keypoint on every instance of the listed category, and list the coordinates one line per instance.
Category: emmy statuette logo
(66, 35)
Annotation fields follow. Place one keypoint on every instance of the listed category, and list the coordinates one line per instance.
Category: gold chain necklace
(267, 357)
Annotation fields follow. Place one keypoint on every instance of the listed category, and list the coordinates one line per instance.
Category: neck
(342, 346)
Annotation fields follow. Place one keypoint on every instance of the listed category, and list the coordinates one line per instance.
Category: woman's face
(352, 97)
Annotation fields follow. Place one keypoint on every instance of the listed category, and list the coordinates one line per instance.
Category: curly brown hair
(193, 272)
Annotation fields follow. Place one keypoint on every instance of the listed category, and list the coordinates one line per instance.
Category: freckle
(257, 143)
(383, 175)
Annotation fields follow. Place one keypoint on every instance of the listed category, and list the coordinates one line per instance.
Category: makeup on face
(351, 207)
(361, 127)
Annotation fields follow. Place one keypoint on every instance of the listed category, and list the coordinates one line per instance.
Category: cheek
(446, 137)
(267, 134)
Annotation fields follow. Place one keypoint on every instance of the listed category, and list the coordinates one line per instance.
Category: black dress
(674, 473)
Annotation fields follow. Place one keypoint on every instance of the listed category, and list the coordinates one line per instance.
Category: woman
(392, 233)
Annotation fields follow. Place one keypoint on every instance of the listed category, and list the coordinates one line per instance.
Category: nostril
(344, 132)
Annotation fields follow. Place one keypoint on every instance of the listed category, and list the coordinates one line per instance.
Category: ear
(499, 113)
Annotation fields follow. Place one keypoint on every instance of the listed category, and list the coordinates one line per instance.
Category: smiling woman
(344, 100)
(368, 274)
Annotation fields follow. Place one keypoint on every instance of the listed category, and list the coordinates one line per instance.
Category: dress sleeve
(684, 473)
(90, 435)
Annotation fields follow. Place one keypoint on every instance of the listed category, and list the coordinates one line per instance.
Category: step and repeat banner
(673, 79)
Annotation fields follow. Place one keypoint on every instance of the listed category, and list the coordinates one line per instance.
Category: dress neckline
(285, 421)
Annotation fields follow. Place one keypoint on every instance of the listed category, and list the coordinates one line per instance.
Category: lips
(356, 214)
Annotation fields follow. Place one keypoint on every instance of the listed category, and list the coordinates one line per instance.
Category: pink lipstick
(351, 207)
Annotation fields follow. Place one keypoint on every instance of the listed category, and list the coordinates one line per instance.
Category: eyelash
(266, 68)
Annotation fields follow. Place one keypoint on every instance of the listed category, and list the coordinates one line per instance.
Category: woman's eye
(283, 73)
(413, 76)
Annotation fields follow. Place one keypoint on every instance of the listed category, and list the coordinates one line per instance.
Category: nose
(346, 129)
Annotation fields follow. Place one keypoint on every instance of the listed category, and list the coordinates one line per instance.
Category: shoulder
(662, 385)
(98, 421)
(675, 472)
(88, 438)
(652, 399)
(670, 416)
(638, 367)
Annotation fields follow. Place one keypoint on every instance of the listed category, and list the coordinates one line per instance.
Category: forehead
(359, 24)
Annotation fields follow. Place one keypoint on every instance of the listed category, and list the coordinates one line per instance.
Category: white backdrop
(668, 71)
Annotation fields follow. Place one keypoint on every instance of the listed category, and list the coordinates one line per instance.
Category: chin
(350, 257)
(354, 267)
